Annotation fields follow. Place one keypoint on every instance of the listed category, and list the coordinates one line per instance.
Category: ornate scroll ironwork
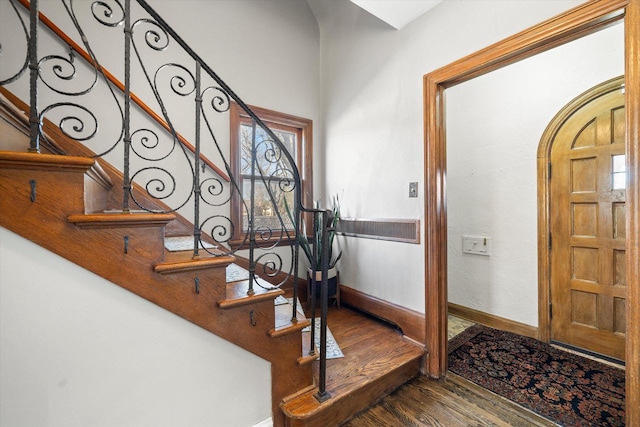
(88, 105)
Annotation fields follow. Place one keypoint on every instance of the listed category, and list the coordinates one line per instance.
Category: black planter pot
(333, 282)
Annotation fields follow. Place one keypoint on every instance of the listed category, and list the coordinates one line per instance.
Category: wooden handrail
(77, 48)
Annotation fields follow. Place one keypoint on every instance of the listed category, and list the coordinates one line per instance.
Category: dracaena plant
(312, 245)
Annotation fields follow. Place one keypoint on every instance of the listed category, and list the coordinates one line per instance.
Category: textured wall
(494, 126)
(373, 108)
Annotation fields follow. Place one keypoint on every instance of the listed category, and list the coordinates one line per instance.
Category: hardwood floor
(448, 403)
(455, 401)
(376, 352)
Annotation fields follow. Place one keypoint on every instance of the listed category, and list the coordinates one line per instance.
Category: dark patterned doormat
(566, 388)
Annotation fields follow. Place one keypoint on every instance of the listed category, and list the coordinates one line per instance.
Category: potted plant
(312, 247)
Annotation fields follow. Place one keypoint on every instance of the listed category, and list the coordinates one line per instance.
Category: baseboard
(493, 321)
(411, 322)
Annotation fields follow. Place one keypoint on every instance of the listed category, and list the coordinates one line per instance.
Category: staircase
(59, 202)
(59, 194)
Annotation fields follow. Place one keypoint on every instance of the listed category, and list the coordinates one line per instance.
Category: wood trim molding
(493, 321)
(303, 158)
(582, 20)
(411, 322)
(632, 88)
(144, 107)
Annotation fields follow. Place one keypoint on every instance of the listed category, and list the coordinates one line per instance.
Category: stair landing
(377, 360)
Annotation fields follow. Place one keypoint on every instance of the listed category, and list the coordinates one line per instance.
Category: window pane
(619, 163)
(296, 139)
(619, 172)
(245, 149)
(270, 160)
(288, 139)
(266, 216)
(619, 181)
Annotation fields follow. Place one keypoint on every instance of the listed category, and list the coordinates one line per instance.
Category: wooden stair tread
(237, 293)
(107, 220)
(176, 262)
(284, 324)
(21, 160)
(306, 347)
(377, 360)
(306, 404)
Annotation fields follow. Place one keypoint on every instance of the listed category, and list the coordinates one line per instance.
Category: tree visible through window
(271, 168)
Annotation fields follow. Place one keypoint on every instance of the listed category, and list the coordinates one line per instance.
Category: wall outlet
(476, 245)
(413, 189)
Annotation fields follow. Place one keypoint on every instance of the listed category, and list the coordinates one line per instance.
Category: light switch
(413, 189)
(477, 245)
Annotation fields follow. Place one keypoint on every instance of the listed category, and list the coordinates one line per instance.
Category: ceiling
(396, 13)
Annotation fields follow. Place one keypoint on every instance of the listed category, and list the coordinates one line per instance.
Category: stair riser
(96, 196)
(58, 193)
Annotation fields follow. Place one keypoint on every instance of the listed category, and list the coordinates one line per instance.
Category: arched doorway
(581, 202)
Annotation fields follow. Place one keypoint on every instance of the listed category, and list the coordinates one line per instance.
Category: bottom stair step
(377, 360)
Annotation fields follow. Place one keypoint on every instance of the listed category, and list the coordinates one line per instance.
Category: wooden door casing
(588, 279)
(584, 19)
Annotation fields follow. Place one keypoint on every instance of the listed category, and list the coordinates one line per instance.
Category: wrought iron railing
(89, 105)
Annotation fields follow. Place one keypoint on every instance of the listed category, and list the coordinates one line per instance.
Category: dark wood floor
(373, 350)
(453, 401)
(448, 403)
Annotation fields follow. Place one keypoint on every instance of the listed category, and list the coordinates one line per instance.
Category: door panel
(588, 284)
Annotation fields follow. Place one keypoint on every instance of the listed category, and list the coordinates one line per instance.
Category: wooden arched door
(587, 224)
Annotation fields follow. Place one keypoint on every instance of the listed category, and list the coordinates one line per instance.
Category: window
(296, 135)
(619, 173)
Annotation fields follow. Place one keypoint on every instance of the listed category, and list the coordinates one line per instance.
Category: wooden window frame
(303, 159)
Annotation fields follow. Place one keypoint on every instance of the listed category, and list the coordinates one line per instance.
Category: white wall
(77, 350)
(373, 109)
(494, 126)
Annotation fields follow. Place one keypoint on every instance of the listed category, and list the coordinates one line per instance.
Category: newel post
(327, 219)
